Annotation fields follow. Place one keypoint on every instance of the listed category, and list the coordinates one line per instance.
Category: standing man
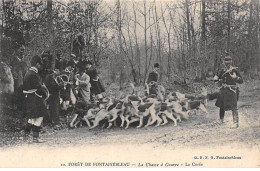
(229, 92)
(68, 93)
(54, 87)
(35, 96)
(152, 81)
(60, 63)
(96, 87)
(75, 60)
(78, 46)
(84, 86)
(19, 68)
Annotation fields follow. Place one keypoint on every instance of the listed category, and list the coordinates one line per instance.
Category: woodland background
(188, 38)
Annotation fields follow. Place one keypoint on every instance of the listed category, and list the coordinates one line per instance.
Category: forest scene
(189, 40)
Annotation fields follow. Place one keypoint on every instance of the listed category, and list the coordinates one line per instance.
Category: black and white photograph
(130, 84)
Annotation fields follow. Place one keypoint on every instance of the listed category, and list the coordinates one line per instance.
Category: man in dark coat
(68, 77)
(78, 46)
(60, 64)
(152, 81)
(75, 60)
(96, 86)
(19, 68)
(228, 95)
(54, 87)
(82, 63)
(35, 96)
(46, 68)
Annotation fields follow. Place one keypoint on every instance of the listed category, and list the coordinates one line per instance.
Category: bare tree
(228, 24)
(168, 32)
(50, 31)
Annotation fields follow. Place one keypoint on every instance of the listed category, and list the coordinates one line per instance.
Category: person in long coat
(152, 81)
(60, 63)
(96, 86)
(19, 68)
(229, 92)
(35, 98)
(68, 93)
(54, 86)
(83, 81)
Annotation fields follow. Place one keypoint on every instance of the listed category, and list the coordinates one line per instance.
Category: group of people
(40, 91)
(43, 93)
(226, 80)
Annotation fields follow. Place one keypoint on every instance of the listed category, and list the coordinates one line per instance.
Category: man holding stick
(229, 92)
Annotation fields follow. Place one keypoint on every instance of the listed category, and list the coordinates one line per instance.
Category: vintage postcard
(130, 84)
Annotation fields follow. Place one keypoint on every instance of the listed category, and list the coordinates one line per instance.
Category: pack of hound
(139, 110)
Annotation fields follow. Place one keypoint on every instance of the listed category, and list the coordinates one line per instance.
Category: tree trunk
(2, 29)
(145, 41)
(119, 28)
(158, 39)
(137, 46)
(134, 74)
(51, 32)
(249, 39)
(188, 26)
(151, 40)
(168, 31)
(258, 36)
(203, 38)
(228, 25)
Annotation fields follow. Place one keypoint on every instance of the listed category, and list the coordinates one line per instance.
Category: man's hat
(36, 59)
(227, 59)
(156, 65)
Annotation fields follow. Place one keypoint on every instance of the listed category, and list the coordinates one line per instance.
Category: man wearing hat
(96, 86)
(46, 67)
(228, 95)
(19, 68)
(59, 62)
(35, 96)
(54, 87)
(68, 93)
(84, 86)
(74, 59)
(152, 81)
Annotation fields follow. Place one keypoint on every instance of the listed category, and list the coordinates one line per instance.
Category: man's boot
(221, 115)
(235, 119)
(36, 133)
(234, 126)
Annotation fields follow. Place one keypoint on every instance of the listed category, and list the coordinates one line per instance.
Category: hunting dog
(112, 110)
(191, 102)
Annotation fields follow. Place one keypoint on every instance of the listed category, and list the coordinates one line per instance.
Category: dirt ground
(191, 135)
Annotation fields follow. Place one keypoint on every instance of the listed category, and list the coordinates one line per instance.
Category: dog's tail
(212, 96)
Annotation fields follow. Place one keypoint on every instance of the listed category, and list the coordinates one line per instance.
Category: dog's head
(119, 105)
